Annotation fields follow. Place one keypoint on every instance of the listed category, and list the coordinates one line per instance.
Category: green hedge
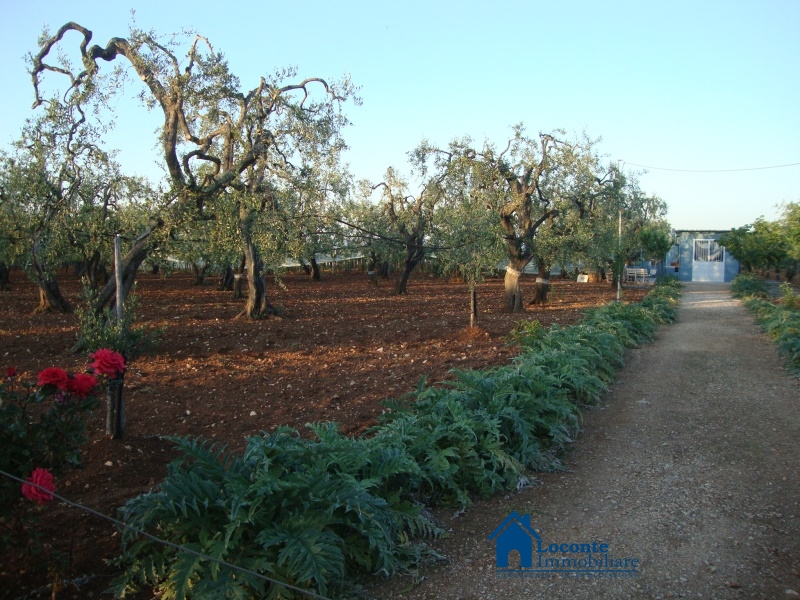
(747, 285)
(782, 325)
(315, 513)
(780, 319)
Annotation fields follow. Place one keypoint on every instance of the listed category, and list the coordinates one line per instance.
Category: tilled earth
(692, 467)
(342, 346)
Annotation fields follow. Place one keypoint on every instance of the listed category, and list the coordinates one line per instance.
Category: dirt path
(692, 467)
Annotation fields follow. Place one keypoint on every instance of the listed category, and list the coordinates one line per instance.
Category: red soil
(342, 346)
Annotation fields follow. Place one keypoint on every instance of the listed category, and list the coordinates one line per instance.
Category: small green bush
(748, 284)
(663, 302)
(526, 332)
(788, 298)
(632, 324)
(458, 448)
(782, 325)
(101, 330)
(668, 280)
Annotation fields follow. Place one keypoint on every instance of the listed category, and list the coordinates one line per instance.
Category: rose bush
(42, 426)
(107, 362)
(81, 384)
(53, 376)
(43, 479)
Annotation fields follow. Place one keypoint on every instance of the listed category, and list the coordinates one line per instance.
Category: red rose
(53, 376)
(11, 372)
(107, 362)
(42, 478)
(81, 385)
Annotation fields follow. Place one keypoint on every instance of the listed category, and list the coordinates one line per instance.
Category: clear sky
(697, 85)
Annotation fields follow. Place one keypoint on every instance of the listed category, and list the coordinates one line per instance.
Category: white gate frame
(711, 270)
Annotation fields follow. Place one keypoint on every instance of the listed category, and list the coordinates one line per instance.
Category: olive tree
(791, 227)
(411, 218)
(758, 246)
(59, 191)
(579, 188)
(639, 213)
(511, 181)
(313, 207)
(216, 138)
(470, 246)
(367, 232)
(542, 190)
(13, 225)
(656, 240)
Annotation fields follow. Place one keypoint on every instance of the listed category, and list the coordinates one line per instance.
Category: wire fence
(178, 547)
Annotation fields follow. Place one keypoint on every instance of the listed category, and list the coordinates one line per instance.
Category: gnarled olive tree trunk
(315, 272)
(519, 255)
(226, 279)
(311, 269)
(5, 277)
(414, 253)
(514, 270)
(199, 273)
(50, 297)
(542, 286)
(258, 305)
(95, 271)
(401, 287)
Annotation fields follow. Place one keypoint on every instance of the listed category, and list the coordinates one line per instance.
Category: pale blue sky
(683, 85)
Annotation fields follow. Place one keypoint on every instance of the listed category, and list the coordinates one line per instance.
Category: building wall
(685, 254)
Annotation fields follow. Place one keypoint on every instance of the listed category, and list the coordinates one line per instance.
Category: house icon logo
(515, 533)
(585, 559)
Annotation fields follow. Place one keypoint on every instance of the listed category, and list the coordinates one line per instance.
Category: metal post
(115, 420)
(118, 275)
(619, 255)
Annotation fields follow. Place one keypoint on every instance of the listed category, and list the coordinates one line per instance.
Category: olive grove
(219, 142)
(253, 177)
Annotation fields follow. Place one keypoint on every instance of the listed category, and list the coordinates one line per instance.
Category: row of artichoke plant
(318, 513)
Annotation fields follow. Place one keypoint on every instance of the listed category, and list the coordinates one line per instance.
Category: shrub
(663, 302)
(458, 449)
(602, 350)
(668, 280)
(782, 325)
(526, 332)
(632, 324)
(42, 427)
(788, 299)
(748, 284)
(101, 330)
(303, 513)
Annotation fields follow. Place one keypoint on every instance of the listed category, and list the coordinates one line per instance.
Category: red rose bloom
(53, 376)
(81, 385)
(107, 362)
(11, 372)
(43, 478)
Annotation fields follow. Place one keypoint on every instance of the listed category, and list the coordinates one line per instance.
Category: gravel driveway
(692, 467)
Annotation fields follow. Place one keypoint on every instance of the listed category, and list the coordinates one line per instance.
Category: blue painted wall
(683, 253)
